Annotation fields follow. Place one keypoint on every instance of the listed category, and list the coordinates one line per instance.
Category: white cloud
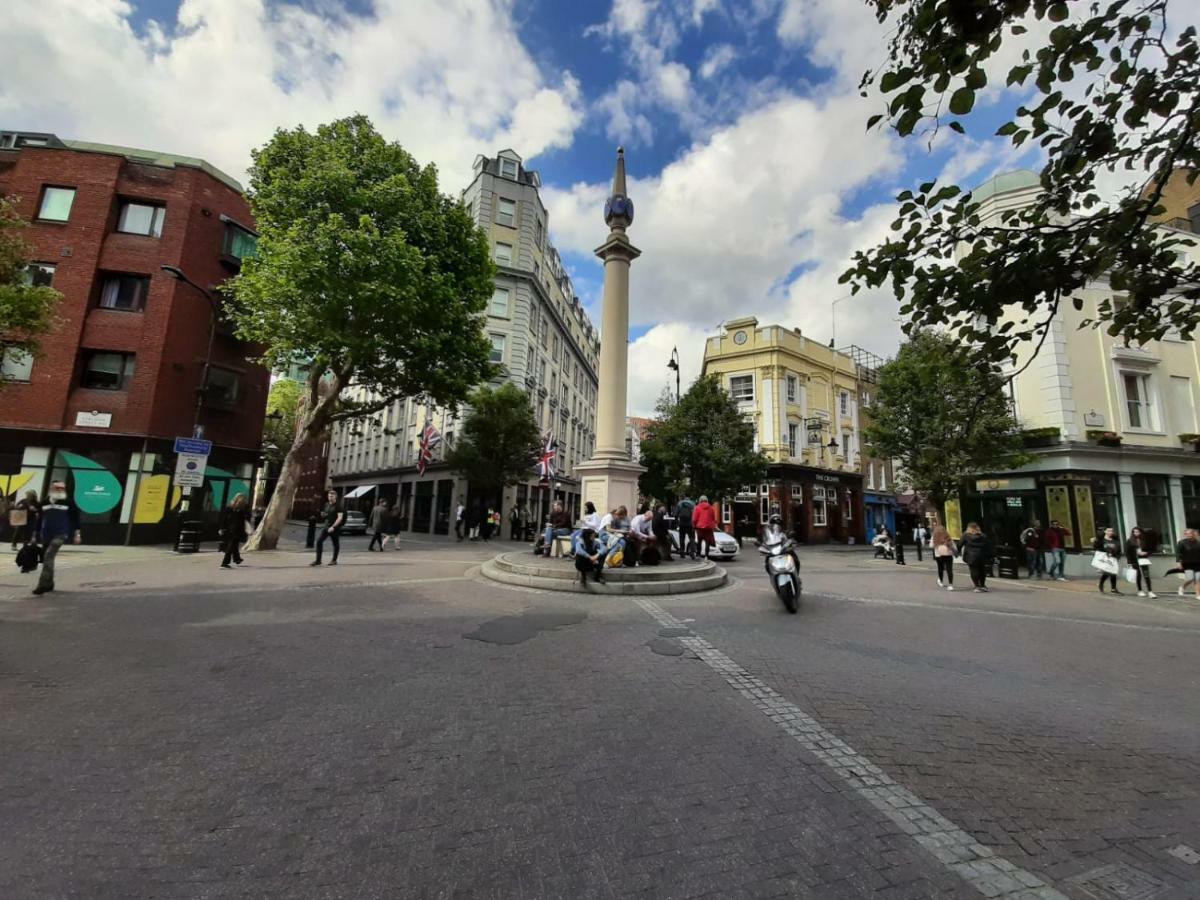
(716, 60)
(648, 356)
(447, 80)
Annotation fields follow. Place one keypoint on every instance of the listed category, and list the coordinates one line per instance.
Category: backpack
(615, 559)
(29, 557)
(650, 556)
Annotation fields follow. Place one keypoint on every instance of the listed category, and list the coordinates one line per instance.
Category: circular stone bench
(676, 577)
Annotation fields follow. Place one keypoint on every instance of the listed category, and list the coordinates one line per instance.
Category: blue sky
(753, 176)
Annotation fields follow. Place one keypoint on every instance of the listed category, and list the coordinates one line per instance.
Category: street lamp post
(177, 273)
(674, 364)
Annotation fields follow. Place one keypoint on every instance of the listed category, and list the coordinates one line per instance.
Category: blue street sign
(193, 445)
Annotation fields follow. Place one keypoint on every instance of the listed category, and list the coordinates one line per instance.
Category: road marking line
(247, 589)
(1016, 614)
(976, 864)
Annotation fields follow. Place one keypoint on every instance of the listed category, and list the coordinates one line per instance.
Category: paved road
(394, 727)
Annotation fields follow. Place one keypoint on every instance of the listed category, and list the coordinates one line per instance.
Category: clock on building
(739, 337)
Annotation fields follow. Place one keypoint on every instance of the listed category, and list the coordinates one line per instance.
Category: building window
(498, 346)
(792, 382)
(849, 508)
(1152, 507)
(504, 253)
(141, 218)
(539, 234)
(15, 364)
(545, 326)
(508, 168)
(798, 493)
(726, 512)
(56, 204)
(223, 386)
(764, 509)
(1138, 403)
(741, 388)
(818, 506)
(124, 292)
(107, 371)
(239, 243)
(500, 303)
(506, 212)
(793, 434)
(38, 275)
(845, 403)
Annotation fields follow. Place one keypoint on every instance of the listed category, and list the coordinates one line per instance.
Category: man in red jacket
(704, 520)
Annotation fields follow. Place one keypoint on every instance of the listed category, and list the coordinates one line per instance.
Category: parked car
(356, 523)
(727, 545)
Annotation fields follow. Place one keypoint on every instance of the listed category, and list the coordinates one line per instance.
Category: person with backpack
(1138, 557)
(977, 554)
(944, 552)
(59, 523)
(684, 510)
(1108, 545)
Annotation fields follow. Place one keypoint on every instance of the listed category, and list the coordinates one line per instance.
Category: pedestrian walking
(704, 520)
(333, 514)
(1137, 554)
(920, 538)
(23, 518)
(460, 512)
(391, 527)
(944, 552)
(1031, 540)
(898, 548)
(375, 523)
(57, 524)
(1107, 558)
(684, 510)
(977, 554)
(514, 523)
(1055, 541)
(235, 523)
(1187, 554)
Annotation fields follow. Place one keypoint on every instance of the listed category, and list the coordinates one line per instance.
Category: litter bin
(1008, 562)
(189, 537)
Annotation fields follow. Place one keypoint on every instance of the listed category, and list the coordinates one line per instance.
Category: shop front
(814, 505)
(880, 512)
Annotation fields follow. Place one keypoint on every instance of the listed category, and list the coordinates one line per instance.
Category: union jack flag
(549, 455)
(430, 438)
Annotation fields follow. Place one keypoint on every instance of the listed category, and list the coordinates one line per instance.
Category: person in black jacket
(234, 519)
(1138, 556)
(977, 554)
(1109, 544)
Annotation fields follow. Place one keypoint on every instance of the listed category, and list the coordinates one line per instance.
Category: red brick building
(122, 374)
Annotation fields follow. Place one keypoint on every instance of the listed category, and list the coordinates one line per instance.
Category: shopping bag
(1131, 574)
(1144, 561)
(18, 518)
(1104, 562)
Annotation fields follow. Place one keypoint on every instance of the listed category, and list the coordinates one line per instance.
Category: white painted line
(976, 864)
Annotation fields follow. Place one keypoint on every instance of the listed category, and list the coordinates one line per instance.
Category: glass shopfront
(1191, 501)
(1152, 508)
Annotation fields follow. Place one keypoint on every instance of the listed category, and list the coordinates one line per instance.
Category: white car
(726, 548)
(356, 523)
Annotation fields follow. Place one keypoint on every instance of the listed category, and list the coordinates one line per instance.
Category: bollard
(310, 539)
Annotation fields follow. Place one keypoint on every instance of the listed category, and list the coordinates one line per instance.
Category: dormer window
(508, 168)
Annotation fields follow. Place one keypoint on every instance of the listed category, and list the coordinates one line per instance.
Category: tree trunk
(266, 536)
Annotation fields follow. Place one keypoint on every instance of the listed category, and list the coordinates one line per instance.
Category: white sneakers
(1141, 593)
(1181, 592)
(942, 585)
(1152, 595)
(949, 587)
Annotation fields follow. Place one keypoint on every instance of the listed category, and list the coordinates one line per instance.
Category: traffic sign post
(190, 463)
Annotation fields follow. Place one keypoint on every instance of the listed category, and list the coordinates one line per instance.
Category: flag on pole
(430, 438)
(549, 455)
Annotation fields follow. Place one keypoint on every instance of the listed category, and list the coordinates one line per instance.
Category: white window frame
(844, 403)
(741, 378)
(505, 257)
(798, 493)
(848, 514)
(502, 346)
(726, 512)
(506, 212)
(499, 311)
(508, 168)
(793, 433)
(158, 214)
(819, 518)
(793, 390)
(1151, 409)
(15, 365)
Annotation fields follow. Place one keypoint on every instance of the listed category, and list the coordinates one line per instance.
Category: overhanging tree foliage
(365, 269)
(700, 445)
(499, 442)
(26, 311)
(943, 415)
(1116, 92)
(279, 429)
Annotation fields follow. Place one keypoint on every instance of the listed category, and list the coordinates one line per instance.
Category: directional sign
(193, 445)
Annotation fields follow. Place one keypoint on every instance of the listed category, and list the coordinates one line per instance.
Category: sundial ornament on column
(618, 208)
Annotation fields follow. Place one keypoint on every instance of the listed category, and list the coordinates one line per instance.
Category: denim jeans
(1033, 560)
(552, 533)
(1058, 561)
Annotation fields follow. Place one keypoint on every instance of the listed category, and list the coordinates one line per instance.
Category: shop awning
(361, 490)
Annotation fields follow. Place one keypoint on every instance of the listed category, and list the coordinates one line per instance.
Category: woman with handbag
(1138, 558)
(943, 554)
(235, 523)
(1108, 564)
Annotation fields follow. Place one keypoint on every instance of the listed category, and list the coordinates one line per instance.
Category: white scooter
(782, 564)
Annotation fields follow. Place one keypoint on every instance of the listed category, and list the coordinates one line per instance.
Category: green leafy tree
(26, 312)
(1114, 92)
(279, 429)
(943, 415)
(499, 442)
(700, 445)
(365, 269)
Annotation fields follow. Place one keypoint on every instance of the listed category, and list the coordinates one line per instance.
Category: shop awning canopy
(361, 490)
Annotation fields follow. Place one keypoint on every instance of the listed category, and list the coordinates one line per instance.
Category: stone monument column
(609, 479)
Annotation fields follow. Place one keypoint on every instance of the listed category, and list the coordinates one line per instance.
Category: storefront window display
(1152, 507)
(1191, 501)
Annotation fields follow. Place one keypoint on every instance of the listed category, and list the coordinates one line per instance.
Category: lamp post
(177, 273)
(674, 364)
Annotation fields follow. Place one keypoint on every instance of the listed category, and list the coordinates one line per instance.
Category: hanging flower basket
(1190, 440)
(1105, 438)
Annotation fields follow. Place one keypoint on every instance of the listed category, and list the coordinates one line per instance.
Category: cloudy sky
(751, 170)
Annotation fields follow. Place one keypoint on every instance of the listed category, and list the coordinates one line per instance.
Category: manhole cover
(1117, 882)
(104, 584)
(1186, 853)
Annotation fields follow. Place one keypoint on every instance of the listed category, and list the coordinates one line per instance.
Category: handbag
(18, 518)
(1144, 561)
(1131, 574)
(1105, 563)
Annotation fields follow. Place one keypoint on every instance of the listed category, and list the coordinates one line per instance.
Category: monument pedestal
(610, 483)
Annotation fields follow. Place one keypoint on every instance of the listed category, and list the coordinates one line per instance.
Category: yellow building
(803, 398)
(1119, 449)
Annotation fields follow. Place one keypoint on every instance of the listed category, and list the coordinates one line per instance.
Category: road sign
(194, 446)
(189, 469)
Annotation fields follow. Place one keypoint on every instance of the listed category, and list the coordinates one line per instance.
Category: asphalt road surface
(397, 727)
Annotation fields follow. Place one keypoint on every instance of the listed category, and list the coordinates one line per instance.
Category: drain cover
(1117, 882)
(104, 584)
(1186, 853)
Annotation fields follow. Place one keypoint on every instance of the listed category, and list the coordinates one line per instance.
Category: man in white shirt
(459, 512)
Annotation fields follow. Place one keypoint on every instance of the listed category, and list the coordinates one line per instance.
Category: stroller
(884, 548)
